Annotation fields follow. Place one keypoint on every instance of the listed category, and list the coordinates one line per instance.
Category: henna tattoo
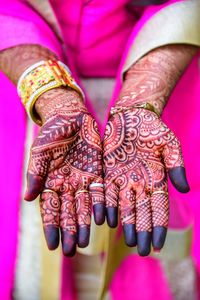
(50, 208)
(14, 61)
(135, 146)
(59, 101)
(67, 155)
(139, 148)
(154, 76)
(83, 208)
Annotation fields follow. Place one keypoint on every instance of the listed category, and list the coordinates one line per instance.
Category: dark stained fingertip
(158, 237)
(52, 236)
(99, 213)
(112, 216)
(83, 236)
(35, 186)
(178, 178)
(130, 235)
(144, 243)
(68, 243)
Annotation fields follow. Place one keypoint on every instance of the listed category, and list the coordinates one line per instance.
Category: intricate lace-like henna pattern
(66, 157)
(154, 76)
(135, 146)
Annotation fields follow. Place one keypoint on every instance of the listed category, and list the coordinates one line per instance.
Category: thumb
(173, 160)
(178, 178)
(36, 175)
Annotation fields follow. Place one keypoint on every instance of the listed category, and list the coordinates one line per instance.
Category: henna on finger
(50, 212)
(96, 191)
(83, 209)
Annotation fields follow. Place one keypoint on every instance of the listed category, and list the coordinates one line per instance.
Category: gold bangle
(41, 77)
(144, 105)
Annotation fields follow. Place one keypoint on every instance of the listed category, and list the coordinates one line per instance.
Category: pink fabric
(139, 283)
(22, 25)
(84, 25)
(12, 133)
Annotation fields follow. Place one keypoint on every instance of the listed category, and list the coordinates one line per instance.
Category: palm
(65, 159)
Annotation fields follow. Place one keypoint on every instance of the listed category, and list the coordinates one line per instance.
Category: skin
(65, 158)
(139, 150)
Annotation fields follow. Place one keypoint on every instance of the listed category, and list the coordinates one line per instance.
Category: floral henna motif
(66, 158)
(136, 146)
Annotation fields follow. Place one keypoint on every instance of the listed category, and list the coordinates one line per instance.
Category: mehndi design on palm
(138, 149)
(66, 158)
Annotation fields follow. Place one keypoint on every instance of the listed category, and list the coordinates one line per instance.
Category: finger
(173, 161)
(127, 215)
(36, 175)
(68, 223)
(111, 199)
(160, 217)
(178, 178)
(143, 225)
(144, 242)
(83, 211)
(96, 191)
(50, 210)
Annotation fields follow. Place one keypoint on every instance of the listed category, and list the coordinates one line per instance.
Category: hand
(138, 150)
(66, 157)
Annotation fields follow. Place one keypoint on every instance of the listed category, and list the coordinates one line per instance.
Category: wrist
(58, 101)
(153, 78)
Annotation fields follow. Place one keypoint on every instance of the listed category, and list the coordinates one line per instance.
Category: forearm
(14, 61)
(153, 78)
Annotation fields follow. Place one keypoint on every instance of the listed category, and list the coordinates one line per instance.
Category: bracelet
(41, 77)
(144, 105)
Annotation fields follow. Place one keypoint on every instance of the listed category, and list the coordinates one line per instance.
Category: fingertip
(68, 242)
(35, 186)
(178, 178)
(158, 237)
(52, 236)
(112, 216)
(99, 213)
(130, 235)
(83, 236)
(144, 243)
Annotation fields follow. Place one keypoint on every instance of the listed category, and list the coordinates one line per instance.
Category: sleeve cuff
(22, 25)
(177, 23)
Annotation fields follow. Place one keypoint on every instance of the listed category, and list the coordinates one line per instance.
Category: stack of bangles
(41, 77)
